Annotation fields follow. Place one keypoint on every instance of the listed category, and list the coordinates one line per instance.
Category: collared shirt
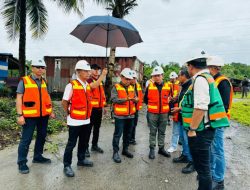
(201, 93)
(67, 96)
(20, 87)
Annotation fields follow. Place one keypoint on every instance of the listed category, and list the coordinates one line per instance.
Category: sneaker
(41, 160)
(181, 159)
(68, 171)
(96, 148)
(218, 185)
(189, 168)
(172, 149)
(87, 154)
(23, 168)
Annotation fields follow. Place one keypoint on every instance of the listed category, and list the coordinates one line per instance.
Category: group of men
(199, 102)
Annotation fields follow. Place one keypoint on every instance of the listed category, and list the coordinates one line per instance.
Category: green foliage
(241, 111)
(51, 147)
(236, 70)
(5, 91)
(55, 126)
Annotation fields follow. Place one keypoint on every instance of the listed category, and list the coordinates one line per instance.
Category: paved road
(136, 173)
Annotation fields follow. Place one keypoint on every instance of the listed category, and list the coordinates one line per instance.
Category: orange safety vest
(175, 93)
(36, 102)
(140, 96)
(98, 96)
(217, 82)
(127, 108)
(80, 103)
(158, 103)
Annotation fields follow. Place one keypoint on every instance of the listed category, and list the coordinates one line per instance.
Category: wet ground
(136, 173)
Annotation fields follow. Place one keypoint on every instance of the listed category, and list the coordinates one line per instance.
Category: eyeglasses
(39, 67)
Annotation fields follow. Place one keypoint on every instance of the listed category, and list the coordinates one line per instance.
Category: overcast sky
(173, 30)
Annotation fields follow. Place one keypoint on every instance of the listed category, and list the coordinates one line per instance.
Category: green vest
(216, 111)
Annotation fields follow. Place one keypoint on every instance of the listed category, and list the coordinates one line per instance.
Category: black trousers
(95, 123)
(122, 127)
(134, 126)
(41, 124)
(74, 132)
(200, 151)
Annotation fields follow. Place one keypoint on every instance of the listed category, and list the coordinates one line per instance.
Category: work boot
(87, 154)
(116, 157)
(189, 168)
(96, 148)
(218, 185)
(151, 153)
(163, 152)
(23, 168)
(41, 160)
(126, 153)
(68, 171)
(181, 159)
(85, 162)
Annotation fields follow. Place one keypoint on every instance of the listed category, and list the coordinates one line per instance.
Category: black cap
(95, 67)
(198, 62)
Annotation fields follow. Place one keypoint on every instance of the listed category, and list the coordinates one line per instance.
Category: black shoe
(96, 148)
(85, 162)
(116, 158)
(163, 152)
(23, 168)
(197, 177)
(127, 153)
(68, 171)
(181, 159)
(87, 154)
(189, 168)
(133, 142)
(41, 160)
(218, 185)
(179, 143)
(151, 153)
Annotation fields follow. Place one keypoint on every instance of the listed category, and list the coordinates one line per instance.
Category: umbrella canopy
(107, 31)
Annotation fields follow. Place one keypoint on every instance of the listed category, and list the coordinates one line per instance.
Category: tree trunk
(22, 38)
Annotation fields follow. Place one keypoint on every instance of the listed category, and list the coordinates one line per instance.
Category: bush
(55, 126)
(5, 91)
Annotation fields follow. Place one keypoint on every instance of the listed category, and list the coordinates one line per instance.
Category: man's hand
(20, 120)
(175, 110)
(191, 134)
(104, 72)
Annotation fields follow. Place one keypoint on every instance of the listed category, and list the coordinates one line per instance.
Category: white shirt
(201, 93)
(67, 96)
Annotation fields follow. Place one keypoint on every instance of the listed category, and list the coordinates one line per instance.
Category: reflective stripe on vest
(217, 82)
(127, 108)
(98, 96)
(216, 111)
(140, 96)
(36, 102)
(80, 103)
(158, 103)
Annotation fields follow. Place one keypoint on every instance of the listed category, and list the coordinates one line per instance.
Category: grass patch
(240, 112)
(239, 94)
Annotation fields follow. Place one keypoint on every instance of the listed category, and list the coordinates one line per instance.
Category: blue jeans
(217, 156)
(175, 134)
(185, 147)
(41, 124)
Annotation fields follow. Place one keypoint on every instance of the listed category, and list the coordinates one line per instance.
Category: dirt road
(136, 173)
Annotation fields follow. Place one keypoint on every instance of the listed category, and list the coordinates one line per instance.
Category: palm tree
(16, 11)
(119, 8)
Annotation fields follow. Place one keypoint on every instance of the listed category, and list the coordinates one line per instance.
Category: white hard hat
(173, 75)
(134, 74)
(157, 71)
(39, 63)
(215, 61)
(83, 65)
(127, 72)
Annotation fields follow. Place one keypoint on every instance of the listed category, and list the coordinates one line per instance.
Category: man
(77, 105)
(139, 94)
(123, 98)
(156, 97)
(186, 156)
(244, 85)
(173, 103)
(202, 112)
(98, 103)
(217, 149)
(34, 107)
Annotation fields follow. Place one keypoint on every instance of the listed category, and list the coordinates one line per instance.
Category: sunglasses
(39, 67)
